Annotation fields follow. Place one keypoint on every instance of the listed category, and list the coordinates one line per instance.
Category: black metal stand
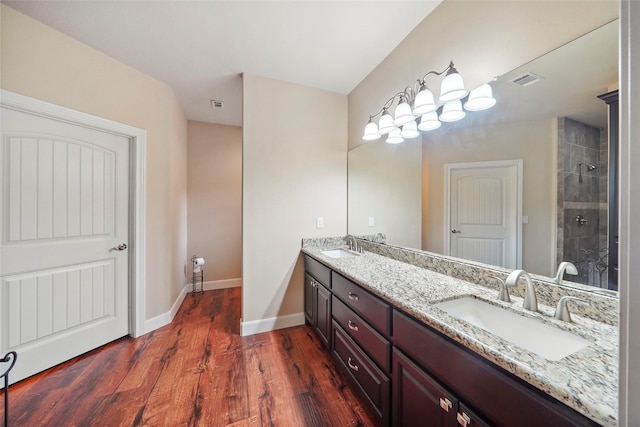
(10, 359)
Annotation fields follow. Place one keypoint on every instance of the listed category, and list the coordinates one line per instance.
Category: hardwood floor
(197, 371)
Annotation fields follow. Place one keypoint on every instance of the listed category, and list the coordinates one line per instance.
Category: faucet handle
(562, 310)
(503, 295)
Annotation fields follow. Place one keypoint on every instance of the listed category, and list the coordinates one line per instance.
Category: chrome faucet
(503, 295)
(530, 301)
(562, 311)
(352, 242)
(565, 267)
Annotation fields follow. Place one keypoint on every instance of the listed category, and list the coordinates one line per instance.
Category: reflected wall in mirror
(556, 126)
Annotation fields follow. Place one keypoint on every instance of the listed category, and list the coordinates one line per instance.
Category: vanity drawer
(372, 382)
(378, 348)
(374, 310)
(321, 272)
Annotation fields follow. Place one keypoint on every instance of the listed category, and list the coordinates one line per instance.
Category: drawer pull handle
(445, 404)
(353, 297)
(352, 326)
(352, 366)
(463, 419)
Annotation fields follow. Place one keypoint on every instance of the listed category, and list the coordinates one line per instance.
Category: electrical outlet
(372, 221)
(319, 222)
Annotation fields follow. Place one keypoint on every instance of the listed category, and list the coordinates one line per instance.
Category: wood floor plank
(197, 371)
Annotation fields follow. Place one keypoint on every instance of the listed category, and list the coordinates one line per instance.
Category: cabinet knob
(352, 326)
(463, 419)
(352, 366)
(445, 404)
(353, 297)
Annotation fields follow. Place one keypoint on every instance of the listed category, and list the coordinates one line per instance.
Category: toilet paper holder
(198, 274)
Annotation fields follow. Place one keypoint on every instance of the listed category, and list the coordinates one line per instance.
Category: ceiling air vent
(527, 79)
(217, 105)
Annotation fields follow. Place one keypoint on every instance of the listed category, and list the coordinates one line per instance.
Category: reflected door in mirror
(484, 212)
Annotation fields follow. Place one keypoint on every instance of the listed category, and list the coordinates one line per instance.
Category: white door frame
(449, 167)
(137, 188)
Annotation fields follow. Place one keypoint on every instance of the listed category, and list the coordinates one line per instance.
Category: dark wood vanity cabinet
(361, 344)
(372, 383)
(317, 308)
(497, 396)
(317, 299)
(418, 399)
(411, 375)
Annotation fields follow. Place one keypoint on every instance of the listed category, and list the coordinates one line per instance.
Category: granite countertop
(586, 381)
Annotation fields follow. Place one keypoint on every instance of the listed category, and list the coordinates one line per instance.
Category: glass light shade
(452, 112)
(481, 98)
(371, 132)
(429, 122)
(410, 130)
(452, 88)
(385, 125)
(395, 137)
(424, 102)
(403, 114)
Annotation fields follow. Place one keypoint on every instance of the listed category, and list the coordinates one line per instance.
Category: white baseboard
(271, 324)
(165, 318)
(217, 284)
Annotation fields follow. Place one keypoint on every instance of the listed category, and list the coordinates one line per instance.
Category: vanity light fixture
(417, 109)
(410, 130)
(481, 98)
(385, 125)
(452, 111)
(394, 137)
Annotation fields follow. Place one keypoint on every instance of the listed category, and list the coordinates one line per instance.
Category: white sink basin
(530, 334)
(338, 253)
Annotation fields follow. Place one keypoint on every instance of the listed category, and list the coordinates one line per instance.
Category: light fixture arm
(436, 73)
(407, 95)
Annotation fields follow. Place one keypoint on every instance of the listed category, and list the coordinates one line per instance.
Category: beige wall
(483, 38)
(294, 170)
(385, 182)
(533, 142)
(215, 198)
(42, 63)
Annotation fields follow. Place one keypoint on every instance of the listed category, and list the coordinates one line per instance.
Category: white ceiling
(200, 48)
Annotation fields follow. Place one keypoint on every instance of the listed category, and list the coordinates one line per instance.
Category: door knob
(120, 247)
(454, 231)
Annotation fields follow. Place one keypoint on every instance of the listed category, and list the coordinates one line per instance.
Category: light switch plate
(372, 221)
(319, 222)
(525, 219)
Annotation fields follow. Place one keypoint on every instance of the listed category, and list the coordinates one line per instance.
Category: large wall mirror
(554, 130)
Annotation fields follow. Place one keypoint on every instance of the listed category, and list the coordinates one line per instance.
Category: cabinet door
(323, 313)
(309, 290)
(418, 399)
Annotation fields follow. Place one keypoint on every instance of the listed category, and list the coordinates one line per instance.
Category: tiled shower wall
(583, 243)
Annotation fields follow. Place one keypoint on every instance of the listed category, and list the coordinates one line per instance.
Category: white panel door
(65, 211)
(483, 212)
